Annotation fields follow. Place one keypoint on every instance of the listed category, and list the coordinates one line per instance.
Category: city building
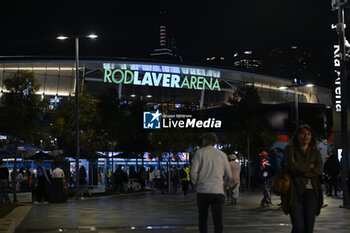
(247, 60)
(291, 61)
(167, 49)
(157, 82)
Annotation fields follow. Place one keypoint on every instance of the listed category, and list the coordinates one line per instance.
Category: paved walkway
(147, 212)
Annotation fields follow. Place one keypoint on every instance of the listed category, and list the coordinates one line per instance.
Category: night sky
(131, 28)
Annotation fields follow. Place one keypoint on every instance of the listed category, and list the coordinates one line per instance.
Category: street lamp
(295, 84)
(91, 36)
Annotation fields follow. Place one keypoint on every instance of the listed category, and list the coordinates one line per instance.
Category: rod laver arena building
(159, 83)
(162, 85)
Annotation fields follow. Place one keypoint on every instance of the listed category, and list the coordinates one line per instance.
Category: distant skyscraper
(247, 60)
(289, 62)
(218, 61)
(243, 60)
(167, 47)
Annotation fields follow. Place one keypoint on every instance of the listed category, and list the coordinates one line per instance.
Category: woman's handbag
(281, 184)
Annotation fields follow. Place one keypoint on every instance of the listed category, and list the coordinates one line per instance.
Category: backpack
(183, 174)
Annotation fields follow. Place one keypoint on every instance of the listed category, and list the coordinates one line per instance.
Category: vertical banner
(336, 90)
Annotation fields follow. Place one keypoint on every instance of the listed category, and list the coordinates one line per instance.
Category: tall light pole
(296, 105)
(339, 6)
(77, 127)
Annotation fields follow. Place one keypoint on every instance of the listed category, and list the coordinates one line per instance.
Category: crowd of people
(301, 161)
(156, 180)
(216, 177)
(26, 180)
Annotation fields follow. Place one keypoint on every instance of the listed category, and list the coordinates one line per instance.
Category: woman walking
(303, 162)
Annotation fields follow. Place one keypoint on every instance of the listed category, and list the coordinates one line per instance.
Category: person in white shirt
(58, 172)
(152, 176)
(233, 192)
(210, 173)
(22, 180)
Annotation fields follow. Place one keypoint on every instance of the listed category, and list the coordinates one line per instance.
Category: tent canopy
(23, 150)
(29, 152)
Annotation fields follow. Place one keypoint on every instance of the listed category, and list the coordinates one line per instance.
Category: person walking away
(72, 179)
(59, 173)
(325, 177)
(158, 179)
(152, 176)
(210, 173)
(185, 178)
(143, 178)
(331, 169)
(303, 162)
(57, 191)
(279, 167)
(161, 179)
(43, 181)
(233, 191)
(175, 178)
(109, 176)
(13, 178)
(164, 177)
(132, 173)
(82, 181)
(100, 176)
(278, 157)
(4, 180)
(29, 174)
(119, 176)
(266, 173)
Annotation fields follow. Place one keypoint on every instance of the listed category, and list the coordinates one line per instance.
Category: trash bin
(56, 191)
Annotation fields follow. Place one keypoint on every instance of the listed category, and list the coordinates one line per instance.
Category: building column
(202, 99)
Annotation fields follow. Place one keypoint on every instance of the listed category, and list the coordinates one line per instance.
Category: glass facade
(57, 78)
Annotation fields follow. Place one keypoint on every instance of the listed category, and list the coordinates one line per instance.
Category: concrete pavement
(9, 223)
(146, 212)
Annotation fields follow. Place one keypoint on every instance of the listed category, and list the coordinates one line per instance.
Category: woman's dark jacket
(300, 172)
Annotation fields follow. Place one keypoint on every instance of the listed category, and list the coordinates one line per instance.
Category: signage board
(159, 79)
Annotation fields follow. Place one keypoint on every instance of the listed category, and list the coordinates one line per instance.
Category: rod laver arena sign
(156, 79)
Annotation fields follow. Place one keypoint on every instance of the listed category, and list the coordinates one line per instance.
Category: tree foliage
(313, 115)
(119, 124)
(20, 111)
(172, 140)
(109, 109)
(133, 138)
(245, 121)
(20, 108)
(63, 125)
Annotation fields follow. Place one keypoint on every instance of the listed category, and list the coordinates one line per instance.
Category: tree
(246, 126)
(244, 118)
(172, 140)
(316, 116)
(133, 137)
(109, 110)
(20, 110)
(63, 125)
